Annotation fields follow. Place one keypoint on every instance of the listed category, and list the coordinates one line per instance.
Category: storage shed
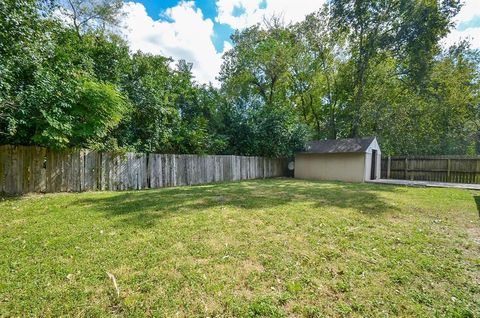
(354, 160)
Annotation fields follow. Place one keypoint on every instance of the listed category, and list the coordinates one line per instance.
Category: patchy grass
(268, 248)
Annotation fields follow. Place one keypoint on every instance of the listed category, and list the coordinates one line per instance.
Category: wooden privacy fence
(458, 169)
(26, 169)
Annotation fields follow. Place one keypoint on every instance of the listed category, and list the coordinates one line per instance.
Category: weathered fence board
(457, 169)
(25, 169)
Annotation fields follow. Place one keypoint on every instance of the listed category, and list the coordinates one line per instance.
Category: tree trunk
(477, 142)
(332, 126)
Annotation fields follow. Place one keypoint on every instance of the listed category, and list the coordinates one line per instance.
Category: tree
(453, 94)
(88, 15)
(148, 83)
(60, 112)
(355, 68)
(20, 52)
(256, 78)
(49, 77)
(437, 119)
(315, 73)
(406, 28)
(259, 64)
(99, 109)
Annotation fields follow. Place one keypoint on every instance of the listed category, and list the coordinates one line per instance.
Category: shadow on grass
(10, 197)
(143, 208)
(477, 201)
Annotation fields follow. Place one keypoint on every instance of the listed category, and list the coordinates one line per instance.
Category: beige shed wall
(342, 167)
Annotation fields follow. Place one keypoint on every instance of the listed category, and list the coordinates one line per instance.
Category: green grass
(269, 248)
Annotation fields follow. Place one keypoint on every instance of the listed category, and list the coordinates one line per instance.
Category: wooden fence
(458, 169)
(25, 169)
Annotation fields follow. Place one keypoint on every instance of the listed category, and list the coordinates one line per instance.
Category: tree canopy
(353, 68)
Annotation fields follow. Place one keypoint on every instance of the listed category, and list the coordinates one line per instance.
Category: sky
(199, 30)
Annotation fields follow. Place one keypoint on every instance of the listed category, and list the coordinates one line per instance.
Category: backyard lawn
(271, 248)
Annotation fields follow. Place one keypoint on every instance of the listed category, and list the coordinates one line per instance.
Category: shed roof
(339, 145)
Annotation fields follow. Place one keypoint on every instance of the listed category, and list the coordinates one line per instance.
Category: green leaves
(99, 109)
(354, 68)
(74, 112)
(257, 81)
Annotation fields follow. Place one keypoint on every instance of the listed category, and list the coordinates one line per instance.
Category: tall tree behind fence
(458, 169)
(25, 169)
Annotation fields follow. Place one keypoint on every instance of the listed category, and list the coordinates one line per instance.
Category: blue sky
(472, 23)
(199, 30)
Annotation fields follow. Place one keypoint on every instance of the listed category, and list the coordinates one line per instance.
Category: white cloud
(184, 34)
(471, 34)
(470, 9)
(252, 11)
(294, 11)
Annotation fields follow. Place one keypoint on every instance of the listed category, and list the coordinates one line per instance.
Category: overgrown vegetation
(354, 68)
(269, 248)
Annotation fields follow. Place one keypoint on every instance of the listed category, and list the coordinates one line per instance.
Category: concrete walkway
(409, 183)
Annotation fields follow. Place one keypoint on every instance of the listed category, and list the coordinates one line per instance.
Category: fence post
(389, 163)
(449, 164)
(173, 170)
(264, 168)
(406, 168)
(477, 171)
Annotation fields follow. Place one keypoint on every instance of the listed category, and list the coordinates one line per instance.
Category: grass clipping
(114, 281)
